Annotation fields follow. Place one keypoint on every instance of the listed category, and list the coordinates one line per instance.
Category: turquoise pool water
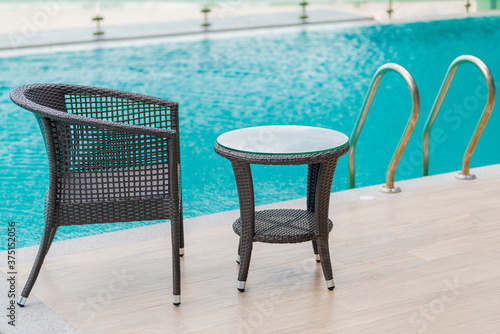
(315, 77)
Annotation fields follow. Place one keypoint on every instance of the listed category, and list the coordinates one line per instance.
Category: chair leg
(326, 264)
(48, 235)
(176, 261)
(52, 235)
(315, 249)
(181, 213)
(181, 236)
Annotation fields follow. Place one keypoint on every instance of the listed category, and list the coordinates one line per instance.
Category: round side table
(284, 145)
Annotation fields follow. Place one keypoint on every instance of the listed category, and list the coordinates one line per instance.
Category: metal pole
(98, 18)
(304, 16)
(205, 23)
(467, 6)
(390, 10)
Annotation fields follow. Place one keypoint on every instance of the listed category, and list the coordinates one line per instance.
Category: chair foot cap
(238, 259)
(181, 252)
(330, 285)
(241, 286)
(177, 300)
(317, 258)
(21, 301)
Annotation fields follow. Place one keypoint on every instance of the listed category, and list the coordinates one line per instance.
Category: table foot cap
(181, 252)
(22, 301)
(318, 259)
(238, 259)
(241, 286)
(330, 285)
(177, 300)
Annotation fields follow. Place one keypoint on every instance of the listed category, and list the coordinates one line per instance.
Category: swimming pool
(316, 77)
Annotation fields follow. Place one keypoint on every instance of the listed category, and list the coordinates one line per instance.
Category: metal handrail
(415, 97)
(490, 102)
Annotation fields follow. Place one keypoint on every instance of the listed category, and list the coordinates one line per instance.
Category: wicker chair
(113, 157)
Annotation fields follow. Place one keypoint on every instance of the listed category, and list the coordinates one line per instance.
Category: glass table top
(283, 140)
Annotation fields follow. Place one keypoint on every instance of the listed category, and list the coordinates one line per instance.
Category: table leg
(323, 189)
(244, 183)
(312, 181)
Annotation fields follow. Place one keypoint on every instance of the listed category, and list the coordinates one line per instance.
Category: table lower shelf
(283, 226)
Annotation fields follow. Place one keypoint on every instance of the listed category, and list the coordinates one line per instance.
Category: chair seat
(102, 211)
(109, 196)
(136, 183)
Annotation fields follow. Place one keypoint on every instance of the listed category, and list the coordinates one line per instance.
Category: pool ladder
(415, 97)
(490, 102)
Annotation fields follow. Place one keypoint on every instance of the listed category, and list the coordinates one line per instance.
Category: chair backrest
(103, 144)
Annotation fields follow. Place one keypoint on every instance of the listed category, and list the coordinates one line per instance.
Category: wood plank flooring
(422, 261)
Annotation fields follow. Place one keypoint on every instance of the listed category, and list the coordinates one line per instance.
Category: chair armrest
(17, 96)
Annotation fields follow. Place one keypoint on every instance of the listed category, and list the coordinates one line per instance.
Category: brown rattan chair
(113, 157)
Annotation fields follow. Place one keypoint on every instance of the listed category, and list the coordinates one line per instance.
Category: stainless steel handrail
(490, 102)
(415, 97)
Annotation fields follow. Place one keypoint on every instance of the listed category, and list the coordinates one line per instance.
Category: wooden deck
(422, 261)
